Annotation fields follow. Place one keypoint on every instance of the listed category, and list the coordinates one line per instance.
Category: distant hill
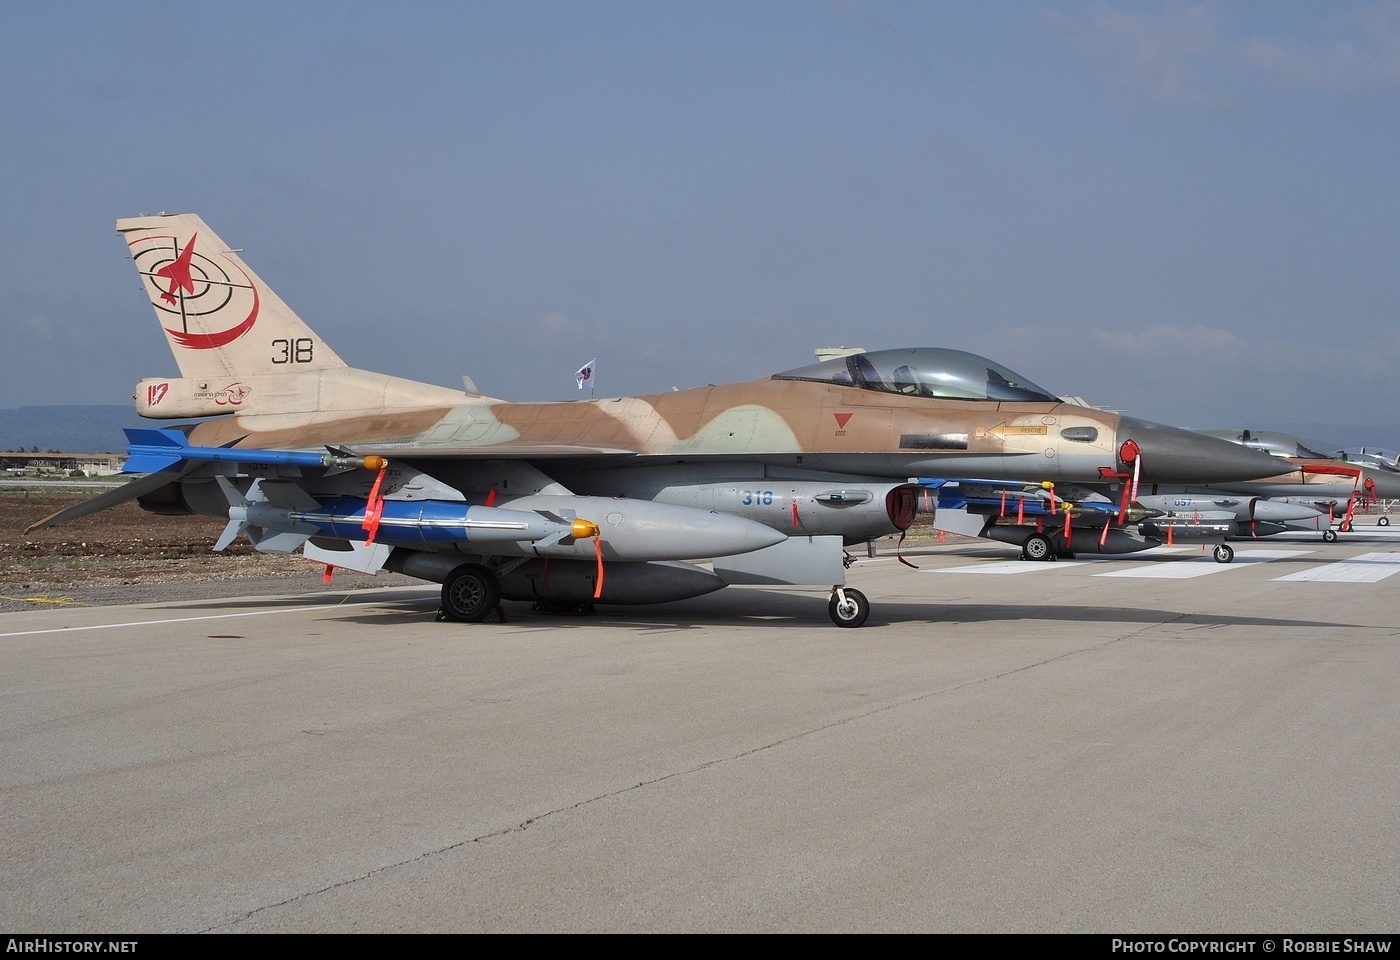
(70, 429)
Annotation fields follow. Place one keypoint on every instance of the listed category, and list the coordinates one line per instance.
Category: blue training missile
(151, 451)
(287, 518)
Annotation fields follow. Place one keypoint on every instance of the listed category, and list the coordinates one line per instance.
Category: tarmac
(1139, 744)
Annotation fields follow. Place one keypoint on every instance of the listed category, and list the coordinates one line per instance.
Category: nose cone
(1173, 455)
(1382, 484)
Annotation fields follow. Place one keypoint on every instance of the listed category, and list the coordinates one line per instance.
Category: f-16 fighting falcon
(569, 504)
(1308, 491)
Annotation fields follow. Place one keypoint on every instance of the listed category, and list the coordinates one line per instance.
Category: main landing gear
(470, 594)
(1037, 547)
(1224, 553)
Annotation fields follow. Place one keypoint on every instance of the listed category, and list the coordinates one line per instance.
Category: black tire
(1382, 521)
(1329, 536)
(1224, 553)
(1038, 547)
(853, 613)
(470, 593)
(1346, 526)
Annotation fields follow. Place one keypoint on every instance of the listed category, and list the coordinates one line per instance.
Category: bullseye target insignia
(211, 307)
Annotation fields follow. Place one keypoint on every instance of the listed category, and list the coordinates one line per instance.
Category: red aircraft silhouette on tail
(178, 273)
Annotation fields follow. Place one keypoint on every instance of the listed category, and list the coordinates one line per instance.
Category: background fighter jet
(1310, 491)
(1332, 485)
(595, 501)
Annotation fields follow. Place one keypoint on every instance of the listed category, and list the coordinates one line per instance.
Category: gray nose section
(1173, 455)
(1384, 485)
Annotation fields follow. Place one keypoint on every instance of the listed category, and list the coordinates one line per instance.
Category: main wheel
(1382, 521)
(1329, 536)
(470, 593)
(1224, 553)
(852, 612)
(1037, 547)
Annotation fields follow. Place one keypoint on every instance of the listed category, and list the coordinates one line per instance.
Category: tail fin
(221, 320)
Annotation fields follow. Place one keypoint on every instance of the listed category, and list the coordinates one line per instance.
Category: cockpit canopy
(924, 372)
(1375, 457)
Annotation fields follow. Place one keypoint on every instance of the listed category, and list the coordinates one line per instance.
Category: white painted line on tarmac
(1202, 566)
(1006, 567)
(1367, 568)
(212, 616)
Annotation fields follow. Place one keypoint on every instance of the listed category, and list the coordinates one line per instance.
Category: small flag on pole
(584, 377)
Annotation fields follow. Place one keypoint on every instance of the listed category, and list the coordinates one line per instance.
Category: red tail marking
(178, 273)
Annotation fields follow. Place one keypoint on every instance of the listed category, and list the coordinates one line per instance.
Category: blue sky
(1189, 211)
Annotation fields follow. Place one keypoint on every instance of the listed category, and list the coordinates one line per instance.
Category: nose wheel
(1224, 553)
(848, 607)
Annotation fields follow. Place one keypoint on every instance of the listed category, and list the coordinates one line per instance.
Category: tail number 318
(292, 351)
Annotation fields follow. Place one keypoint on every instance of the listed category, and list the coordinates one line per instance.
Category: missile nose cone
(1137, 513)
(1173, 455)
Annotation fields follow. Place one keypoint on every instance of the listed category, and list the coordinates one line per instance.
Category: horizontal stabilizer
(129, 491)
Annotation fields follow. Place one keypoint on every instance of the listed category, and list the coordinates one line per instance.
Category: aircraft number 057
(292, 351)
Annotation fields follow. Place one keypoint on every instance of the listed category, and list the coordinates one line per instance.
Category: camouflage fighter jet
(592, 501)
(1310, 491)
(1333, 486)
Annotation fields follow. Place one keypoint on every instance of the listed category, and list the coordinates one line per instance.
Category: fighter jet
(621, 500)
(1331, 485)
(1310, 491)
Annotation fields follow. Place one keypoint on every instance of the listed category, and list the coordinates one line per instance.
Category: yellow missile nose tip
(375, 463)
(1047, 485)
(583, 529)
